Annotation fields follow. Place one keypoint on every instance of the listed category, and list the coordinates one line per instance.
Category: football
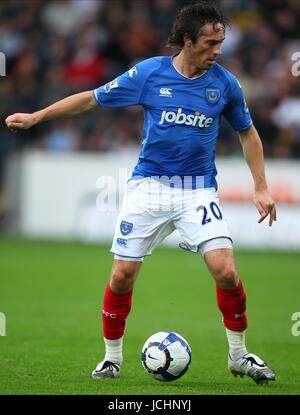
(166, 356)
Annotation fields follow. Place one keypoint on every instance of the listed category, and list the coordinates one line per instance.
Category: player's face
(203, 53)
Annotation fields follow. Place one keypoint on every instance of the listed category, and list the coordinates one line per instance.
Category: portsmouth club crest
(126, 227)
(212, 95)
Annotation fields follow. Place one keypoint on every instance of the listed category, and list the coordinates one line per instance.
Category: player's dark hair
(190, 20)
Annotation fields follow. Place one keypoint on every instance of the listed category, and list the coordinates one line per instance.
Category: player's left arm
(253, 154)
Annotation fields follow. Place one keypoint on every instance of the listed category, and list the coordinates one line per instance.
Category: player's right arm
(72, 105)
(126, 89)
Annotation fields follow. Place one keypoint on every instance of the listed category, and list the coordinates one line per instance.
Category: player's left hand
(265, 205)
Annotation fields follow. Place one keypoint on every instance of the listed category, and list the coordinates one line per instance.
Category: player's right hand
(19, 121)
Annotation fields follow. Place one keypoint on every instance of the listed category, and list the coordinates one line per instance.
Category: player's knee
(123, 279)
(226, 276)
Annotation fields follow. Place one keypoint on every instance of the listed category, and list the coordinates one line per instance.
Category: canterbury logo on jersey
(180, 117)
(165, 92)
(132, 71)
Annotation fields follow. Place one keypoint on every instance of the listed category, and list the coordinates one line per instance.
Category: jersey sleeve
(126, 89)
(236, 111)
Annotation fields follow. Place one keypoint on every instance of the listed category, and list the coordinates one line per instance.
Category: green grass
(51, 294)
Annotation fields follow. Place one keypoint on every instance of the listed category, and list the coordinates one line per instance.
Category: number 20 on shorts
(213, 210)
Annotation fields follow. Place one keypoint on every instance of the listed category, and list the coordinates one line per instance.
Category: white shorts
(152, 210)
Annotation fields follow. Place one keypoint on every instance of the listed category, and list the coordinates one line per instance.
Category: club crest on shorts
(126, 227)
(212, 95)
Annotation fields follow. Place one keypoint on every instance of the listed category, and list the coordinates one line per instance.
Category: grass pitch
(51, 294)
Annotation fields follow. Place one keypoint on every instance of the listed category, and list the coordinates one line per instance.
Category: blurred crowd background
(55, 48)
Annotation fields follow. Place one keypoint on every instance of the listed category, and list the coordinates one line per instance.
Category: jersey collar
(203, 75)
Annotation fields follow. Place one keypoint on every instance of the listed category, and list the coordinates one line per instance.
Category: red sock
(233, 307)
(116, 308)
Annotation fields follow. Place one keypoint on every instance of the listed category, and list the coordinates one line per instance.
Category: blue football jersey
(181, 116)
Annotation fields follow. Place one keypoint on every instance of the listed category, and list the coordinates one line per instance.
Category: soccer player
(173, 185)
